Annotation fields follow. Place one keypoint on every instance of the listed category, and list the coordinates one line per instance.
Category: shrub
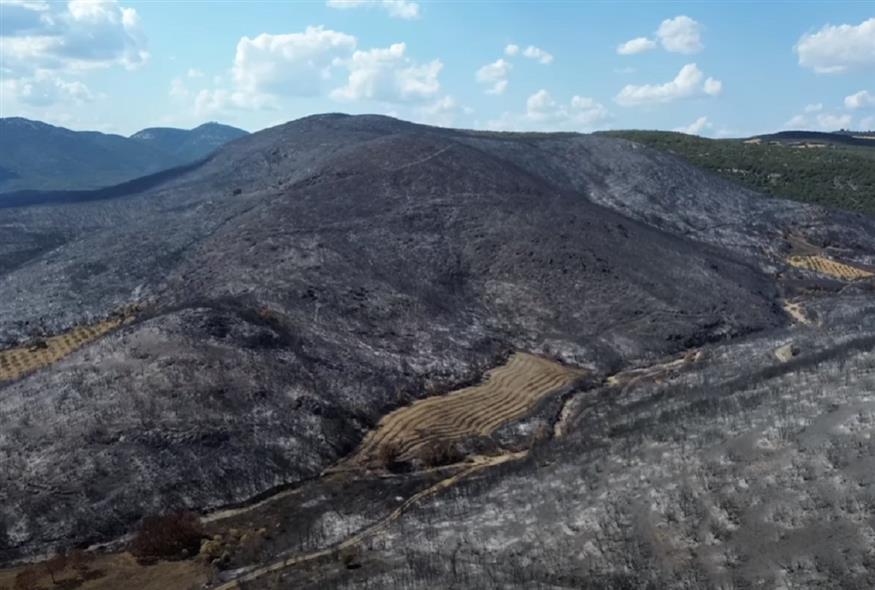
(350, 557)
(388, 456)
(172, 536)
(440, 452)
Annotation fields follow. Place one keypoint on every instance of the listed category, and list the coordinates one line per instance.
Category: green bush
(838, 176)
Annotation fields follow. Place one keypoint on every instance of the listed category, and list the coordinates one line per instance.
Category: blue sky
(712, 68)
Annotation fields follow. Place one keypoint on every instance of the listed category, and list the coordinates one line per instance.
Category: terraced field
(508, 392)
(830, 267)
(18, 362)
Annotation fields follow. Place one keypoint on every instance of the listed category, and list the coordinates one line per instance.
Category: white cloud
(868, 124)
(539, 54)
(822, 122)
(797, 122)
(543, 113)
(495, 74)
(318, 62)
(833, 122)
(44, 88)
(860, 100)
(296, 64)
(834, 49)
(79, 35)
(814, 108)
(688, 82)
(178, 89)
(387, 75)
(696, 127)
(511, 50)
(194, 73)
(713, 87)
(441, 112)
(213, 101)
(403, 9)
(637, 45)
(680, 35)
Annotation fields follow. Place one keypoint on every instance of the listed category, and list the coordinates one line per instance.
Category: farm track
(626, 379)
(827, 266)
(15, 363)
(509, 392)
(477, 464)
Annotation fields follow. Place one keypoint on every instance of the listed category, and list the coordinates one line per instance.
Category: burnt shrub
(389, 457)
(439, 452)
(171, 536)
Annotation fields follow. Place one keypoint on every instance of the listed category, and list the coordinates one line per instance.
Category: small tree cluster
(171, 536)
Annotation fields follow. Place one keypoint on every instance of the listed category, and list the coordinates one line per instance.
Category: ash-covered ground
(310, 278)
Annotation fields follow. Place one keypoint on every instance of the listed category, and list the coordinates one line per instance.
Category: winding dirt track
(477, 464)
(509, 392)
(626, 379)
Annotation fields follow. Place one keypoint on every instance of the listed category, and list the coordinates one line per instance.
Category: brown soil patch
(118, 571)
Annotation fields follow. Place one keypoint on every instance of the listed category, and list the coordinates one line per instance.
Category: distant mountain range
(35, 155)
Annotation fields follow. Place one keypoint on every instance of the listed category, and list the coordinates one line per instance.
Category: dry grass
(119, 571)
(18, 362)
(829, 267)
(509, 392)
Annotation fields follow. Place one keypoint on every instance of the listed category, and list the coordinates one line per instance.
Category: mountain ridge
(39, 156)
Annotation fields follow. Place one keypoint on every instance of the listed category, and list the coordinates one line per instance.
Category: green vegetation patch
(831, 175)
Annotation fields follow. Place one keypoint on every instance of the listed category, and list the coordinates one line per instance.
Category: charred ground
(308, 279)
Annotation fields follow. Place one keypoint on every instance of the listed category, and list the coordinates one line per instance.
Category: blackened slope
(305, 280)
(430, 219)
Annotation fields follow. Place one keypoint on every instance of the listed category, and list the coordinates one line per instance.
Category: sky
(717, 69)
